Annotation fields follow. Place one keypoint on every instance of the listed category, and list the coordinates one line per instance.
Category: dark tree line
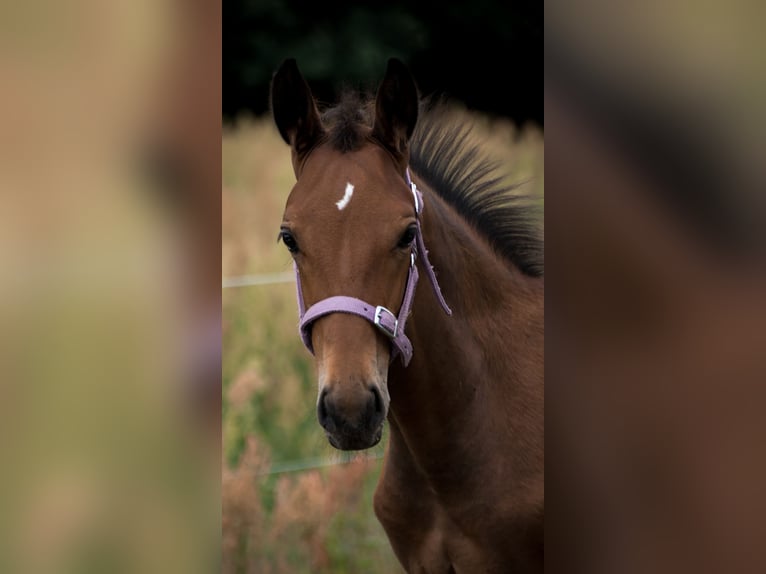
(488, 54)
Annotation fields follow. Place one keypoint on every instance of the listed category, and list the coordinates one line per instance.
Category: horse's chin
(355, 442)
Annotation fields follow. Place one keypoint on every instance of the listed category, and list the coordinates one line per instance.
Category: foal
(456, 364)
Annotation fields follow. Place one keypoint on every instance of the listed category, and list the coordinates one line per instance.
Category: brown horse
(456, 365)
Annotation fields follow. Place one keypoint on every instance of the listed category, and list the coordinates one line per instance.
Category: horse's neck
(485, 353)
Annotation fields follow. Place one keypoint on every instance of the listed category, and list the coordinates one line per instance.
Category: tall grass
(318, 520)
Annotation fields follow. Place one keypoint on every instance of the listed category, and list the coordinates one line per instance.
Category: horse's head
(350, 223)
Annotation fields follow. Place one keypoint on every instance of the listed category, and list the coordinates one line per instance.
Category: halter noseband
(386, 321)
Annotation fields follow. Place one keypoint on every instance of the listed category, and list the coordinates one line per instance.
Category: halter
(385, 320)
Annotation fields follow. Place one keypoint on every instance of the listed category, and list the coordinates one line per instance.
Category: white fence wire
(260, 279)
(312, 463)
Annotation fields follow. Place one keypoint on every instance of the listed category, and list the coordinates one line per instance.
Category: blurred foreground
(109, 301)
(656, 299)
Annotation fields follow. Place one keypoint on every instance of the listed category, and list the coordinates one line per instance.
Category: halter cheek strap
(386, 321)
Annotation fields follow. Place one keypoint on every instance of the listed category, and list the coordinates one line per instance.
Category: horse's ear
(294, 109)
(396, 109)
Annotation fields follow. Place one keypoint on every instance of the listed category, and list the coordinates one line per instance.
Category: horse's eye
(289, 241)
(407, 237)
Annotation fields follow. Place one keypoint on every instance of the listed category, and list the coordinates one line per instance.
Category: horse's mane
(444, 152)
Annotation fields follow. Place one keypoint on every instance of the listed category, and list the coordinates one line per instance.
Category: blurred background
(484, 53)
(292, 503)
(109, 286)
(656, 295)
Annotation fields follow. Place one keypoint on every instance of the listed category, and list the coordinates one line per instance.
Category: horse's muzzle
(352, 424)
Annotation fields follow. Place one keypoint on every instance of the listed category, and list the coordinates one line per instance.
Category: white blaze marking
(346, 197)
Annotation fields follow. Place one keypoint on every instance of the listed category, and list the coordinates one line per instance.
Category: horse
(389, 188)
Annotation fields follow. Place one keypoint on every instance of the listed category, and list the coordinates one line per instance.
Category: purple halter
(390, 324)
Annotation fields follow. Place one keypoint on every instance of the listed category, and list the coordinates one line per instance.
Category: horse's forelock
(348, 123)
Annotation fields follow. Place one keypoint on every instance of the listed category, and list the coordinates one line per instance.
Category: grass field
(276, 517)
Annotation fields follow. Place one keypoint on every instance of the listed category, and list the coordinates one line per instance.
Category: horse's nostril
(378, 400)
(322, 408)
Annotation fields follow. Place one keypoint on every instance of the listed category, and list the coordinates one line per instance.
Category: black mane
(444, 153)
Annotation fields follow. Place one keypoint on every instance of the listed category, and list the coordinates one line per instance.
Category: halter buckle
(379, 310)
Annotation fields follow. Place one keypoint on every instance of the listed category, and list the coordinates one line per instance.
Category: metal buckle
(378, 311)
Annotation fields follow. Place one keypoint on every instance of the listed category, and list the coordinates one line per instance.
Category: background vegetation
(485, 53)
(278, 516)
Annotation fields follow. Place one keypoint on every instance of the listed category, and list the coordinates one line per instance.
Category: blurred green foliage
(485, 53)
